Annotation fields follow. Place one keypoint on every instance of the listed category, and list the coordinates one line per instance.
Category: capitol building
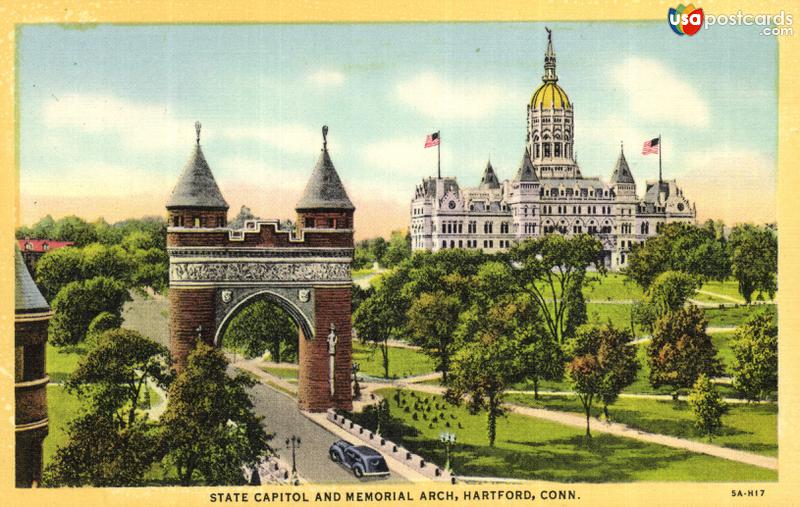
(548, 194)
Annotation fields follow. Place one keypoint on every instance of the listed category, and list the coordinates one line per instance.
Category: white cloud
(327, 77)
(290, 138)
(139, 126)
(655, 94)
(432, 95)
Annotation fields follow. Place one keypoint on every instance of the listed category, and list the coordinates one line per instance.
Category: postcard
(348, 253)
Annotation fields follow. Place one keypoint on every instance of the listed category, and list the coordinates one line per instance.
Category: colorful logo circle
(685, 19)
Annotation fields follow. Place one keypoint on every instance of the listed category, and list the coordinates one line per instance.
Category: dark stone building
(215, 271)
(31, 317)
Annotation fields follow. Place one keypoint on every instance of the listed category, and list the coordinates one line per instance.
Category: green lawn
(642, 383)
(61, 408)
(618, 314)
(730, 288)
(612, 287)
(284, 373)
(748, 427)
(533, 449)
(61, 361)
(723, 343)
(736, 315)
(403, 362)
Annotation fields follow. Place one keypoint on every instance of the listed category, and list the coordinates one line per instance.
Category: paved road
(282, 417)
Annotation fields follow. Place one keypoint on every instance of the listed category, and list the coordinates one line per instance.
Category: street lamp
(356, 387)
(294, 441)
(448, 439)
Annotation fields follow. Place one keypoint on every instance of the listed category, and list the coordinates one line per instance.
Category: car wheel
(358, 472)
(334, 456)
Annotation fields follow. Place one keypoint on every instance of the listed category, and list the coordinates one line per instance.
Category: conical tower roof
(526, 171)
(622, 173)
(324, 189)
(197, 187)
(27, 297)
(489, 178)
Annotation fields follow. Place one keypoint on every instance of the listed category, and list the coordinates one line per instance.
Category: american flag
(651, 146)
(432, 140)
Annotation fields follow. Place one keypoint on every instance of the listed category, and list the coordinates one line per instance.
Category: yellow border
(232, 11)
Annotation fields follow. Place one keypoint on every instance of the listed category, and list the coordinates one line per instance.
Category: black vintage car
(361, 459)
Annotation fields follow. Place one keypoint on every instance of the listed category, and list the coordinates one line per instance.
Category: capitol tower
(548, 193)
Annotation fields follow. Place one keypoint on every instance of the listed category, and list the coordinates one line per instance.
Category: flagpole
(660, 149)
(439, 155)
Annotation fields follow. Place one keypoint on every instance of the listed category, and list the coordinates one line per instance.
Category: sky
(107, 113)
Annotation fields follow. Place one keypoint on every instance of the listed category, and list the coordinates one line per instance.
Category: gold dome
(547, 94)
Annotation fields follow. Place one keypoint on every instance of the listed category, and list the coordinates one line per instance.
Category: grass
(533, 449)
(403, 362)
(61, 361)
(283, 373)
(612, 287)
(735, 315)
(601, 313)
(746, 427)
(61, 408)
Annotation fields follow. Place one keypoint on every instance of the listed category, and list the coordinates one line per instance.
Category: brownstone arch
(215, 271)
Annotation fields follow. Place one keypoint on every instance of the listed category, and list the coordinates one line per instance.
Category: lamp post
(448, 439)
(294, 442)
(356, 387)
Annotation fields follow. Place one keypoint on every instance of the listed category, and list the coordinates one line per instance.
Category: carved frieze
(259, 272)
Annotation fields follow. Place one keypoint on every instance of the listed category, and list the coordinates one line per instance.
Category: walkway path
(623, 431)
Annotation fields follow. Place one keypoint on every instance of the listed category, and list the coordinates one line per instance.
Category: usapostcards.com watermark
(687, 20)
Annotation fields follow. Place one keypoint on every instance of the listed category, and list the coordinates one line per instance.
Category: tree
(398, 249)
(244, 214)
(550, 267)
(575, 307)
(603, 364)
(698, 250)
(57, 268)
(359, 295)
(707, 405)
(754, 259)
(105, 321)
(670, 291)
(483, 370)
(432, 320)
(109, 444)
(681, 350)
(362, 258)
(151, 269)
(78, 303)
(542, 358)
(114, 374)
(263, 326)
(98, 453)
(209, 427)
(107, 261)
(755, 349)
(585, 374)
(382, 315)
(75, 229)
